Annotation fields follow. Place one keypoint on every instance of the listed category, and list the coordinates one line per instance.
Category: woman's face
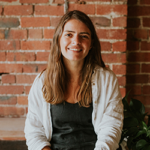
(75, 41)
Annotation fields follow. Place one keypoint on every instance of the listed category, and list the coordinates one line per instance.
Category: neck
(73, 69)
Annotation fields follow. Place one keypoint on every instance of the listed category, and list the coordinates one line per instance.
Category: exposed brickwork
(27, 29)
(18, 10)
(138, 48)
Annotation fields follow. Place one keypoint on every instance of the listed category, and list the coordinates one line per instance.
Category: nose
(76, 40)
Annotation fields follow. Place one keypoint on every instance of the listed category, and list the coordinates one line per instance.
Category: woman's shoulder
(104, 71)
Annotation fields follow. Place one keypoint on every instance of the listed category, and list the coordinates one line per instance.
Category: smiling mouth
(74, 49)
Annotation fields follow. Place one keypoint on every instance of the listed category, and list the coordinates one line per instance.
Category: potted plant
(135, 131)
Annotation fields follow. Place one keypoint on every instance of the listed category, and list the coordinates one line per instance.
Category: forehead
(76, 25)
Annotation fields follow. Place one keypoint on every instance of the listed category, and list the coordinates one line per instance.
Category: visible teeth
(75, 49)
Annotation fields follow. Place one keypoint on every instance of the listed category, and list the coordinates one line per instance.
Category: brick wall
(138, 50)
(26, 31)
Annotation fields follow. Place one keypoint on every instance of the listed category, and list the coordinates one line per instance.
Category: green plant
(135, 129)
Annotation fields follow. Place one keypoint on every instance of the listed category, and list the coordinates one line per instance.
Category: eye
(68, 35)
(84, 36)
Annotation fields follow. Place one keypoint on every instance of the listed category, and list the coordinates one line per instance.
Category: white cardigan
(107, 115)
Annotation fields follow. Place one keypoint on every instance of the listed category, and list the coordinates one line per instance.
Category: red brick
(111, 9)
(48, 33)
(123, 92)
(9, 45)
(27, 89)
(35, 21)
(132, 2)
(11, 111)
(120, 22)
(133, 22)
(34, 1)
(105, 46)
(132, 45)
(146, 89)
(147, 100)
(112, 33)
(8, 78)
(59, 1)
(25, 78)
(144, 2)
(134, 89)
(132, 79)
(49, 10)
(114, 58)
(30, 68)
(139, 57)
(8, 100)
(119, 46)
(16, 34)
(101, 21)
(42, 56)
(22, 100)
(119, 69)
(35, 33)
(141, 34)
(145, 46)
(9, 22)
(138, 10)
(8, 1)
(55, 21)
(146, 68)
(18, 10)
(87, 9)
(35, 45)
(146, 22)
(2, 56)
(21, 56)
(16, 89)
(2, 34)
(122, 80)
(133, 68)
(10, 68)
(26, 110)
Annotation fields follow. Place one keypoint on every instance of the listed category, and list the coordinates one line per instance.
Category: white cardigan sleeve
(34, 130)
(109, 128)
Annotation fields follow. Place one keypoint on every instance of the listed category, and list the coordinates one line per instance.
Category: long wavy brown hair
(55, 76)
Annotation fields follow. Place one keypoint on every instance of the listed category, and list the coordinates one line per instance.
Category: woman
(75, 104)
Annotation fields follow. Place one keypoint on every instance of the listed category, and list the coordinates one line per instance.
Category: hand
(46, 148)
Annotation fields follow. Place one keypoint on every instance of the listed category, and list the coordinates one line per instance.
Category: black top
(72, 127)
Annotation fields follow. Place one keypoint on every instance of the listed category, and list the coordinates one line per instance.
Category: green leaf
(140, 133)
(129, 142)
(140, 144)
(148, 133)
(125, 104)
(146, 147)
(132, 131)
(144, 126)
(136, 105)
(130, 122)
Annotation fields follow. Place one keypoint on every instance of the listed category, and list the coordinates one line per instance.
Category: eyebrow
(80, 32)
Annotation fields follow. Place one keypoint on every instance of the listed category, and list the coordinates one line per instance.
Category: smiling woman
(75, 104)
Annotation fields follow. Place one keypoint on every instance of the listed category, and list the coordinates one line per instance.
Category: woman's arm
(109, 128)
(34, 130)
